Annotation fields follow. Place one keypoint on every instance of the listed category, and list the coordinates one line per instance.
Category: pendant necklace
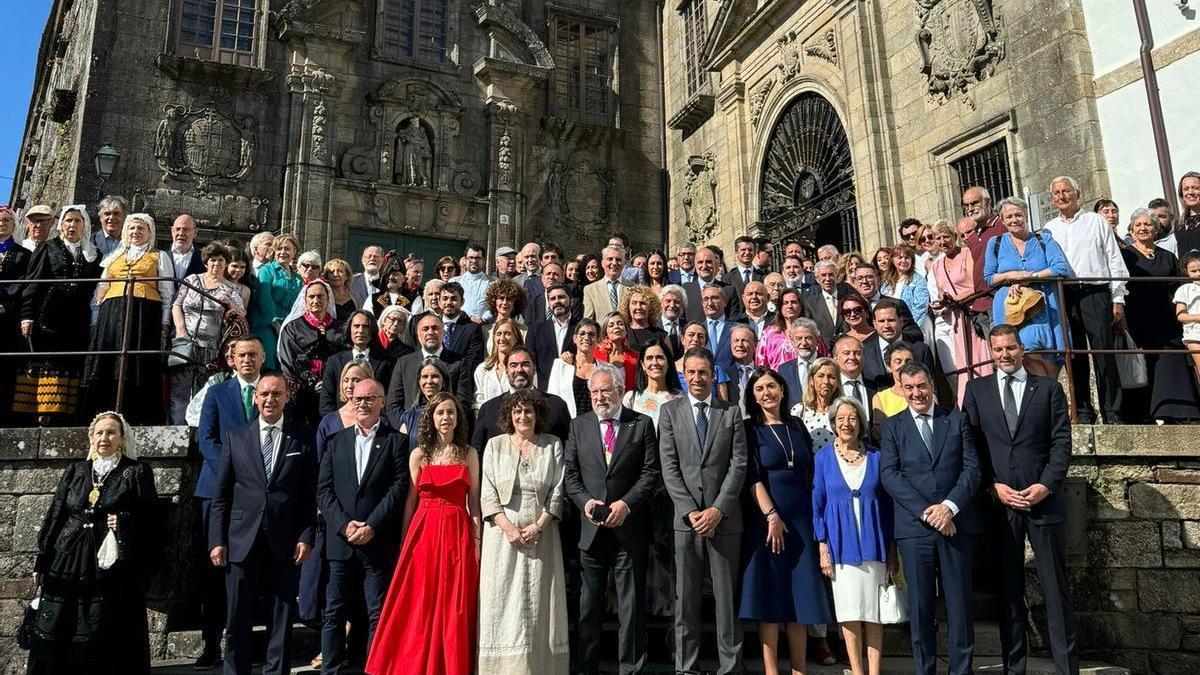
(97, 483)
(788, 451)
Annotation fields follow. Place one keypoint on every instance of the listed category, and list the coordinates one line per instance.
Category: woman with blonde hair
(278, 286)
(642, 312)
(491, 378)
(338, 275)
(847, 263)
(824, 385)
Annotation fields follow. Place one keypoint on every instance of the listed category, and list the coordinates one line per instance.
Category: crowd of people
(443, 471)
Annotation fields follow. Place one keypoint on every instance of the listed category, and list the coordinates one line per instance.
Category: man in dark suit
(685, 259)
(1025, 455)
(521, 375)
(672, 300)
(227, 406)
(611, 461)
(550, 338)
(888, 322)
(461, 335)
(361, 490)
(185, 254)
(821, 305)
(744, 271)
(848, 355)
(403, 386)
(803, 335)
(362, 285)
(866, 282)
(536, 300)
(362, 333)
(706, 275)
(718, 327)
(264, 514)
(755, 311)
(702, 445)
(929, 467)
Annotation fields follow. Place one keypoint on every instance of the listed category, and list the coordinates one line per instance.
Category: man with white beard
(803, 334)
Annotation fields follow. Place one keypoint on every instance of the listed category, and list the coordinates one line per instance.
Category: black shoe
(1113, 419)
(208, 659)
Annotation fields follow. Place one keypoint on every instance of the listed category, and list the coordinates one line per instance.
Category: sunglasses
(446, 268)
(928, 237)
(910, 235)
(852, 309)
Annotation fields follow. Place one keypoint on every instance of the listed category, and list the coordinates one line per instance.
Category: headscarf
(299, 312)
(387, 311)
(132, 253)
(128, 448)
(85, 237)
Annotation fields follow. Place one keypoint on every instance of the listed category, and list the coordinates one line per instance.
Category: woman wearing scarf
(305, 343)
(56, 317)
(150, 321)
(393, 326)
(91, 615)
(14, 264)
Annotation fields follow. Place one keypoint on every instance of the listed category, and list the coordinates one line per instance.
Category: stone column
(308, 173)
(506, 209)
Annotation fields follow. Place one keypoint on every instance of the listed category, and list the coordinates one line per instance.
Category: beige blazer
(596, 302)
(498, 476)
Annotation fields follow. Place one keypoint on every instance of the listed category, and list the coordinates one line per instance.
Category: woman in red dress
(428, 621)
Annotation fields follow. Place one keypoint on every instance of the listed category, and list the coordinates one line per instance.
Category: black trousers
(260, 574)
(350, 580)
(212, 584)
(629, 567)
(1090, 320)
(1049, 551)
(928, 560)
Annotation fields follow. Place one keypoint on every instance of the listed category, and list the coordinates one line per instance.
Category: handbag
(29, 622)
(893, 604)
(1130, 367)
(181, 352)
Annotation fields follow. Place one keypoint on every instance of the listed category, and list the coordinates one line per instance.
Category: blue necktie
(701, 422)
(714, 335)
(449, 334)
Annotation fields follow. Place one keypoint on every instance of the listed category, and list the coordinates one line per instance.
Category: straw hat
(1020, 307)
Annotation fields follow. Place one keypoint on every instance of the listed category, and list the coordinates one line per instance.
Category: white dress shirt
(1020, 377)
(426, 354)
(181, 259)
(1091, 249)
(278, 440)
(692, 401)
(362, 448)
(864, 395)
(741, 273)
(917, 421)
(603, 425)
(667, 323)
(560, 331)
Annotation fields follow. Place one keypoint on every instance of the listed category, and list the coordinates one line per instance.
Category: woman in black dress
(305, 343)
(14, 264)
(91, 614)
(56, 317)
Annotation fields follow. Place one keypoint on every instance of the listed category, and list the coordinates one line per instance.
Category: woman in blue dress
(278, 286)
(782, 583)
(1020, 256)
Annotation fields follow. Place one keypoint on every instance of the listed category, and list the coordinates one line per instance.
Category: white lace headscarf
(132, 253)
(128, 445)
(85, 238)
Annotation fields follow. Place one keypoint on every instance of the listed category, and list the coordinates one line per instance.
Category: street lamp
(106, 162)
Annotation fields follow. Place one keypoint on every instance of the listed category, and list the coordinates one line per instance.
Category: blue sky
(24, 21)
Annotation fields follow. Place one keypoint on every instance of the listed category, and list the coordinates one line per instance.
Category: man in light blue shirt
(475, 283)
(107, 237)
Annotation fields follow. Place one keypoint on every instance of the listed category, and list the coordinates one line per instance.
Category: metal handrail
(124, 352)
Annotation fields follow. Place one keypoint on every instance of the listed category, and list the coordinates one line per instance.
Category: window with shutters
(417, 30)
(695, 32)
(583, 72)
(217, 30)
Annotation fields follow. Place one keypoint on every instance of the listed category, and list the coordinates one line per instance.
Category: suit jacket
(632, 476)
(331, 378)
(467, 341)
(283, 510)
(917, 478)
(875, 372)
(403, 392)
(221, 413)
(694, 311)
(596, 302)
(377, 500)
(697, 475)
(1039, 452)
(361, 289)
(796, 380)
(534, 290)
(815, 309)
(487, 420)
(541, 340)
(734, 278)
(720, 351)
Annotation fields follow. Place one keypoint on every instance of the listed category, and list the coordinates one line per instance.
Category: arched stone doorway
(806, 189)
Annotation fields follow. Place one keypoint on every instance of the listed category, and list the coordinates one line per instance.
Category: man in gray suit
(703, 449)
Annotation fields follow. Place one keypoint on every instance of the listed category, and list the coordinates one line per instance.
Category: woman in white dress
(824, 385)
(523, 597)
(491, 377)
(852, 523)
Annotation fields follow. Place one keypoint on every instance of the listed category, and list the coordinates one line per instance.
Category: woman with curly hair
(505, 299)
(429, 616)
(643, 316)
(614, 347)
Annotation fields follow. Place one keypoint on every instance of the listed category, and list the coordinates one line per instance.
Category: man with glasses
(361, 490)
(685, 258)
(866, 282)
(985, 224)
(522, 374)
(363, 284)
(908, 231)
(474, 281)
(706, 275)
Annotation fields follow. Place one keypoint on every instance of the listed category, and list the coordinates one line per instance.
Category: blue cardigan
(833, 511)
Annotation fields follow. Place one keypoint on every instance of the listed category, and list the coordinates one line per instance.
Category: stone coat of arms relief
(960, 45)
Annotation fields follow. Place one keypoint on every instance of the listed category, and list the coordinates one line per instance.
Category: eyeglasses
(928, 237)
(587, 334)
(910, 235)
(364, 400)
(310, 266)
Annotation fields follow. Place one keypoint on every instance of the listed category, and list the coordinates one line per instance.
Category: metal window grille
(218, 30)
(583, 70)
(417, 29)
(695, 29)
(988, 168)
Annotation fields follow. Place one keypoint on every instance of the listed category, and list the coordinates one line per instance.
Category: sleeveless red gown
(428, 622)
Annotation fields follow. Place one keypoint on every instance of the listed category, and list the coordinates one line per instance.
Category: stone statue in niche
(414, 155)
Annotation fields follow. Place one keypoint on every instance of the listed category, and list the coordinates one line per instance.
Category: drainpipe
(664, 176)
(1161, 146)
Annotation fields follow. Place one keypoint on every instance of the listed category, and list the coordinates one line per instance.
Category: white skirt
(856, 591)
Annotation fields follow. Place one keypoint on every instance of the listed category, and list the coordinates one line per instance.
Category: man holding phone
(611, 475)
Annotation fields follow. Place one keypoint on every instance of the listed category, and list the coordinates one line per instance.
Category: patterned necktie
(248, 400)
(746, 275)
(1010, 405)
(360, 358)
(745, 376)
(449, 334)
(701, 422)
(610, 440)
(926, 430)
(612, 294)
(268, 452)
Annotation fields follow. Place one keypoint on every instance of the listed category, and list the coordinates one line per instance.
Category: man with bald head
(755, 312)
(184, 254)
(361, 489)
(978, 225)
(403, 389)
(363, 283)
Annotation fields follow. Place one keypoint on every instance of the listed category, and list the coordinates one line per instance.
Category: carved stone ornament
(824, 48)
(204, 144)
(504, 160)
(790, 57)
(960, 45)
(700, 197)
(581, 196)
(758, 100)
(216, 211)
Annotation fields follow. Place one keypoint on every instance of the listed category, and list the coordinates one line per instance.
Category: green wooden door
(428, 249)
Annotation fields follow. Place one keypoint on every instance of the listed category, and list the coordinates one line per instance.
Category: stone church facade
(830, 121)
(419, 124)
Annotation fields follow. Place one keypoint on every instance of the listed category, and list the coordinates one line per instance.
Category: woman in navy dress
(782, 583)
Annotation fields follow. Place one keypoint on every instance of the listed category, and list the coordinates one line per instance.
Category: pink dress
(953, 276)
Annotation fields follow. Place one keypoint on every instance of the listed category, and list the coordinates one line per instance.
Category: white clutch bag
(106, 557)
(893, 604)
